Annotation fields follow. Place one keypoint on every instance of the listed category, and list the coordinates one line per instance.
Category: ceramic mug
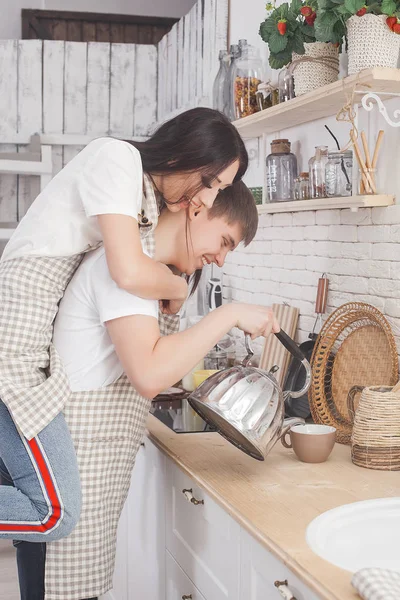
(311, 443)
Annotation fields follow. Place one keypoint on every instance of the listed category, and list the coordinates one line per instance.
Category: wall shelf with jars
(320, 103)
(352, 202)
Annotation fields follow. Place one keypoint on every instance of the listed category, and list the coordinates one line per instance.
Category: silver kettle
(246, 404)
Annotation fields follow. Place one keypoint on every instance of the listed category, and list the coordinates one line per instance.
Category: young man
(116, 357)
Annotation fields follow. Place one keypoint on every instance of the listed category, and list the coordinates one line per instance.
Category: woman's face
(176, 186)
(208, 241)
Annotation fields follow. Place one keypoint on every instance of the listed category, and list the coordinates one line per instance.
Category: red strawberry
(310, 20)
(391, 22)
(361, 12)
(396, 27)
(282, 26)
(306, 11)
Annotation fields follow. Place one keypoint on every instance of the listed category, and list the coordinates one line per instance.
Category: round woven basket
(375, 441)
(355, 347)
(310, 75)
(371, 43)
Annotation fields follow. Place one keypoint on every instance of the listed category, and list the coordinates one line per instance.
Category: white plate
(359, 535)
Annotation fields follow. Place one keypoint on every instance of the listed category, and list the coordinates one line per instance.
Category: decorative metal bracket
(368, 102)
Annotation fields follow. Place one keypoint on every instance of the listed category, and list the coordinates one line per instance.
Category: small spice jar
(301, 187)
(247, 76)
(267, 95)
(338, 174)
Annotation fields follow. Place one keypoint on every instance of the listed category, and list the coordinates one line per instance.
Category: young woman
(116, 357)
(99, 197)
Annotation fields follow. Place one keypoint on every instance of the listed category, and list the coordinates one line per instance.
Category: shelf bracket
(368, 102)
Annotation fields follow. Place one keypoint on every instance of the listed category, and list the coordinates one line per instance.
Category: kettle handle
(293, 348)
(284, 339)
(290, 345)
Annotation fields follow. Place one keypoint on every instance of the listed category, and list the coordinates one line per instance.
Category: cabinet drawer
(178, 585)
(202, 538)
(259, 571)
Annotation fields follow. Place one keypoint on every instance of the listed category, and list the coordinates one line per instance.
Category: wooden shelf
(352, 202)
(322, 102)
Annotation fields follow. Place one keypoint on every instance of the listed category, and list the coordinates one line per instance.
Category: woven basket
(375, 441)
(355, 347)
(310, 75)
(371, 43)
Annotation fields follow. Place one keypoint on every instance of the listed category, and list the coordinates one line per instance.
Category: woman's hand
(255, 320)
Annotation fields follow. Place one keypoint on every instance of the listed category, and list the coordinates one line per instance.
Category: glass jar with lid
(339, 173)
(281, 167)
(247, 75)
(301, 187)
(316, 168)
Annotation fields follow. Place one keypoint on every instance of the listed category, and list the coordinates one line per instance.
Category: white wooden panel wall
(188, 58)
(73, 88)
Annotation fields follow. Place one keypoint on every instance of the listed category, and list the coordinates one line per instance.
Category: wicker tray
(355, 347)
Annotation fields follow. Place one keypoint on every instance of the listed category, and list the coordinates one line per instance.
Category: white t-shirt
(104, 178)
(80, 333)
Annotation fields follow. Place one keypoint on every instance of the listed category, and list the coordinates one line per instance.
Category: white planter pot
(309, 75)
(371, 43)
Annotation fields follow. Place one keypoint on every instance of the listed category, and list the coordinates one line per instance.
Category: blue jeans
(45, 503)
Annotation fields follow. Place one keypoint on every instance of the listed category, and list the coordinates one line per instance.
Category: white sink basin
(359, 535)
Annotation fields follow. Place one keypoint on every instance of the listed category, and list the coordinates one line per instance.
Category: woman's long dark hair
(199, 140)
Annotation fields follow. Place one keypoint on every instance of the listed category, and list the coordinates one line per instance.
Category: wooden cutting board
(274, 353)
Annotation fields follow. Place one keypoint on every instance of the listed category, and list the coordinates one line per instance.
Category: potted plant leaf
(371, 28)
(290, 34)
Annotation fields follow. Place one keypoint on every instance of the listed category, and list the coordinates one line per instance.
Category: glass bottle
(301, 187)
(219, 97)
(246, 76)
(242, 44)
(281, 166)
(339, 174)
(316, 168)
(285, 85)
(234, 54)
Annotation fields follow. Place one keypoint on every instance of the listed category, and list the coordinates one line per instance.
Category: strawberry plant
(287, 28)
(330, 24)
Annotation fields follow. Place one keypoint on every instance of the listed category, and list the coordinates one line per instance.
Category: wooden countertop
(275, 500)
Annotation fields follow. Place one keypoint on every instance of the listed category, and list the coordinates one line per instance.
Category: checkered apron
(107, 426)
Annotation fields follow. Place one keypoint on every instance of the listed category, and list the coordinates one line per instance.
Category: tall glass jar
(316, 168)
(281, 166)
(339, 174)
(219, 94)
(234, 53)
(247, 75)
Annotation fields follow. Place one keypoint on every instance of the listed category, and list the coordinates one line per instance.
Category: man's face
(208, 241)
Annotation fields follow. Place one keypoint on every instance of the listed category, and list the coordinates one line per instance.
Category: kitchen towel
(377, 584)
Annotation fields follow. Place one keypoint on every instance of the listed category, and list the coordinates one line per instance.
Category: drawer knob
(187, 597)
(283, 589)
(190, 498)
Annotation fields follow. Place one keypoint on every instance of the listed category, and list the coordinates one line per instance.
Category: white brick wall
(359, 252)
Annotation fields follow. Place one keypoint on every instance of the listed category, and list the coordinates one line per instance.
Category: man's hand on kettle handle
(256, 320)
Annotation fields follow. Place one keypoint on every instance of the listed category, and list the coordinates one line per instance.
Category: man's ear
(195, 211)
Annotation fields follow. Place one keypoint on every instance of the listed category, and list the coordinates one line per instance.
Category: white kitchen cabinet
(260, 569)
(202, 537)
(170, 547)
(178, 585)
(140, 561)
